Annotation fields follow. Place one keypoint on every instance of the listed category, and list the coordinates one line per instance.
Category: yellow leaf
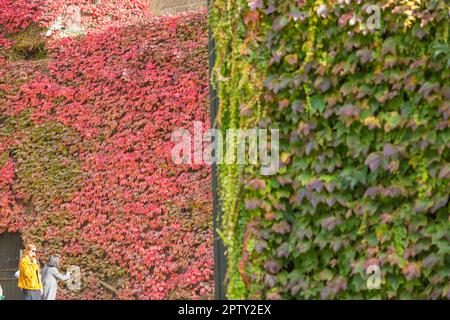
(285, 157)
(372, 123)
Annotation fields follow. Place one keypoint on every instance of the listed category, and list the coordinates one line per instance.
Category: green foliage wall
(364, 141)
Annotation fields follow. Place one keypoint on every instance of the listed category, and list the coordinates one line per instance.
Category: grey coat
(50, 278)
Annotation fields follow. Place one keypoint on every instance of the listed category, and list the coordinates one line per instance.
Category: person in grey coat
(50, 278)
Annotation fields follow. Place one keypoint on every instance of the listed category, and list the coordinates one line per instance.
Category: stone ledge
(159, 7)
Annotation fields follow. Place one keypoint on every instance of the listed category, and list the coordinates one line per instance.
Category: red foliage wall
(18, 14)
(85, 156)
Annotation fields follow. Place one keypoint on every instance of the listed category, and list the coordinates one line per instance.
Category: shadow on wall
(175, 6)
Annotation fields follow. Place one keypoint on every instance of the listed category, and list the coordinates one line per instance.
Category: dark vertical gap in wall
(219, 249)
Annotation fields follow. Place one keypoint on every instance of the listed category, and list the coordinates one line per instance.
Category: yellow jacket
(29, 275)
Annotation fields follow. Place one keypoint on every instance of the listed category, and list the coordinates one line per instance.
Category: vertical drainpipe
(219, 249)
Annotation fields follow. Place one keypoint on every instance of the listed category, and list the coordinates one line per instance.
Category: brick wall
(175, 6)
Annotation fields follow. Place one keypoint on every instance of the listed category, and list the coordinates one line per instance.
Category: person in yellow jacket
(29, 274)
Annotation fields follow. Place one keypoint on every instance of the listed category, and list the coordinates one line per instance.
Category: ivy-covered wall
(363, 115)
(85, 143)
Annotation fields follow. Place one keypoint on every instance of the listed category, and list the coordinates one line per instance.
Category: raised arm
(58, 276)
(27, 268)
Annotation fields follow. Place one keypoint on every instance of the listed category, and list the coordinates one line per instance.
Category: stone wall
(175, 6)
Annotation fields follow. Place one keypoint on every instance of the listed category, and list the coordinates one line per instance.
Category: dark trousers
(32, 294)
